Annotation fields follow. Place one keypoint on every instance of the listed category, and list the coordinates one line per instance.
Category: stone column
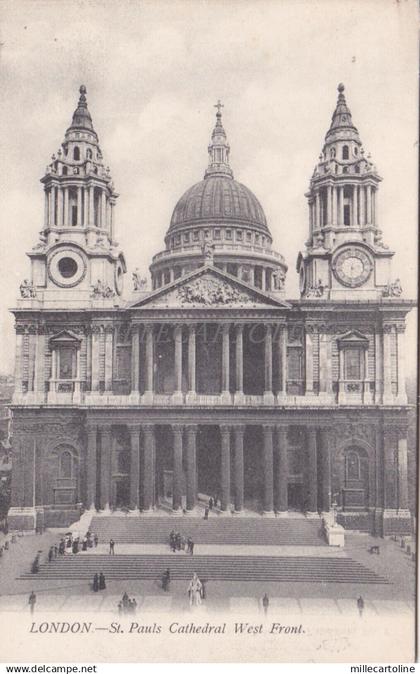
(239, 467)
(368, 204)
(134, 465)
(387, 337)
(282, 473)
(79, 206)
(191, 467)
(85, 206)
(226, 362)
(109, 357)
(32, 339)
(191, 360)
(52, 205)
(66, 222)
(312, 471)
(91, 432)
(149, 361)
(402, 393)
(148, 474)
(60, 204)
(268, 469)
(177, 467)
(282, 360)
(225, 464)
(96, 336)
(326, 469)
(103, 209)
(362, 210)
(340, 206)
(309, 360)
(39, 379)
(239, 364)
(334, 205)
(178, 363)
(329, 205)
(317, 211)
(46, 209)
(20, 331)
(91, 206)
(135, 361)
(354, 206)
(391, 479)
(106, 449)
(373, 206)
(402, 473)
(268, 365)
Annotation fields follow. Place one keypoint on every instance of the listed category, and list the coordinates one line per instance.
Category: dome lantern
(218, 149)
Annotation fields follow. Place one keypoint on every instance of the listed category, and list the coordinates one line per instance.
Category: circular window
(67, 267)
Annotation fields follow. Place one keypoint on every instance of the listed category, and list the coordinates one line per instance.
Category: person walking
(206, 512)
(111, 547)
(50, 554)
(102, 584)
(95, 584)
(95, 540)
(265, 603)
(32, 601)
(166, 579)
(360, 605)
(211, 503)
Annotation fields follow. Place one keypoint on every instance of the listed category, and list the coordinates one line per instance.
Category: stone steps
(215, 531)
(217, 567)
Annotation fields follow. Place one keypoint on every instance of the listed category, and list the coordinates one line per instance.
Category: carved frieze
(210, 292)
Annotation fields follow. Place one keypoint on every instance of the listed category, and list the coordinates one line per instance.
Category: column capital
(106, 430)
(91, 430)
(191, 429)
(133, 428)
(148, 429)
(226, 327)
(312, 431)
(192, 327)
(282, 429)
(268, 428)
(225, 429)
(239, 429)
(177, 429)
(239, 327)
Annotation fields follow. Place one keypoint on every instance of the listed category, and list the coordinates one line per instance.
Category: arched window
(64, 170)
(332, 152)
(66, 465)
(352, 466)
(76, 153)
(89, 153)
(345, 151)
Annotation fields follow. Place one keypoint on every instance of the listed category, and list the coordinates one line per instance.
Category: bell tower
(77, 260)
(345, 257)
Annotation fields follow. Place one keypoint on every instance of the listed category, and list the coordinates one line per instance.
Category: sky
(153, 72)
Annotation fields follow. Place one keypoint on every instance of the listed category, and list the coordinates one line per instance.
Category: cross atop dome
(219, 148)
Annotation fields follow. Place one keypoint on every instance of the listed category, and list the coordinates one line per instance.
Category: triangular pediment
(353, 337)
(65, 337)
(209, 288)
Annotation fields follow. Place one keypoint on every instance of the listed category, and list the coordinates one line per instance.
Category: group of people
(127, 605)
(75, 544)
(178, 542)
(98, 582)
(213, 502)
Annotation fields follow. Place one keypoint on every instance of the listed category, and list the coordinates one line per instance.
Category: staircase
(217, 567)
(214, 531)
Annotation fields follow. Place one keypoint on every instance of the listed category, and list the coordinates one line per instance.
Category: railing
(196, 250)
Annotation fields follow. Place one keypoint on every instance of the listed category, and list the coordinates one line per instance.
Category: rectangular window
(67, 358)
(228, 234)
(186, 238)
(238, 235)
(249, 236)
(353, 364)
(294, 364)
(217, 233)
(195, 236)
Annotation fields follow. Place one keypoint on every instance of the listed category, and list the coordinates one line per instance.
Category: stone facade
(212, 383)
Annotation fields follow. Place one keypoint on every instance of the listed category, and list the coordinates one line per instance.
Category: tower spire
(219, 148)
(342, 127)
(81, 116)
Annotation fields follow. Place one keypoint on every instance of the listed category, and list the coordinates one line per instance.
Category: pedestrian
(55, 551)
(95, 584)
(102, 584)
(203, 589)
(120, 608)
(6, 545)
(133, 606)
(265, 603)
(194, 591)
(125, 599)
(178, 540)
(206, 513)
(111, 547)
(172, 540)
(360, 605)
(35, 564)
(210, 503)
(84, 544)
(95, 540)
(50, 554)
(75, 546)
(166, 579)
(32, 601)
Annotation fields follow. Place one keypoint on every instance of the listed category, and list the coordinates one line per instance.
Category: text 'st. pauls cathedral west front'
(211, 382)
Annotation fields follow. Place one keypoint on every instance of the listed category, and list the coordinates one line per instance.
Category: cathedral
(206, 380)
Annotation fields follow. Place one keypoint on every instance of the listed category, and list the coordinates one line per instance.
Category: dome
(218, 199)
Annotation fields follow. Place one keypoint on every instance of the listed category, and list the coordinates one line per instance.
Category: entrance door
(122, 492)
(295, 497)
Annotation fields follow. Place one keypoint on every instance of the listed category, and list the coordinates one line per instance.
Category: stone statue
(316, 290)
(319, 241)
(279, 278)
(27, 290)
(208, 252)
(101, 290)
(393, 289)
(139, 281)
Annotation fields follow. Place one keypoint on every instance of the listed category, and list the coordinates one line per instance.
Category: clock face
(66, 268)
(352, 267)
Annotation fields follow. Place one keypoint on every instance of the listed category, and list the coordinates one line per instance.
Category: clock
(66, 268)
(352, 266)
